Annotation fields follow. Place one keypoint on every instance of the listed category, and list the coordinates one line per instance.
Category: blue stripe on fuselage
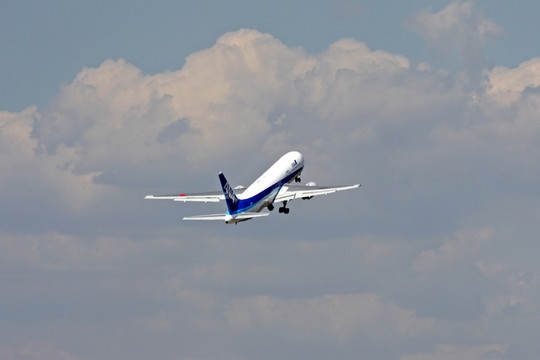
(246, 204)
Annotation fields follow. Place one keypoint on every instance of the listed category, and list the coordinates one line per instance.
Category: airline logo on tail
(230, 197)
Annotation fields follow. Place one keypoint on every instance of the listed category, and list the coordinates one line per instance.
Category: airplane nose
(300, 159)
(296, 155)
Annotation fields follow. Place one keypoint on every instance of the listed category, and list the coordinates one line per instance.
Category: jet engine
(311, 183)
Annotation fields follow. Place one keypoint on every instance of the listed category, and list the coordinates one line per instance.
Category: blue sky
(431, 105)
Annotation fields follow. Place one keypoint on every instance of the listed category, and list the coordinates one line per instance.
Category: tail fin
(230, 197)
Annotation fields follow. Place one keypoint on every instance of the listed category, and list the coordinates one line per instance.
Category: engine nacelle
(311, 183)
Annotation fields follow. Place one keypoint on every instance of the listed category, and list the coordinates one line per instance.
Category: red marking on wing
(182, 195)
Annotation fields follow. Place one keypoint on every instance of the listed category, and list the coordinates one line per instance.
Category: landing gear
(284, 209)
(270, 207)
(297, 179)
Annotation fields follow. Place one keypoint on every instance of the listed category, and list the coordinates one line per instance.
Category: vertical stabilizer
(230, 197)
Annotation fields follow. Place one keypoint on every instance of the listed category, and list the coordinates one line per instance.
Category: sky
(432, 106)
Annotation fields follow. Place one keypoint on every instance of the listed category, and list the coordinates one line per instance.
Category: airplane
(273, 186)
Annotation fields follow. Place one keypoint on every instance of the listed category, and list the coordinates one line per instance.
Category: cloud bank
(436, 256)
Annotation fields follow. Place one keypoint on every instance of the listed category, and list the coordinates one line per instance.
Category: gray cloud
(435, 255)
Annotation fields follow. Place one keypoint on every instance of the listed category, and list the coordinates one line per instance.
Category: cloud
(339, 316)
(458, 27)
(113, 132)
(32, 181)
(465, 245)
(518, 291)
(44, 351)
(36, 351)
(507, 85)
(113, 125)
(81, 249)
(63, 252)
(222, 95)
(472, 352)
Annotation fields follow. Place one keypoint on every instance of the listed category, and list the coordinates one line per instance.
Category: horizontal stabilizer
(228, 218)
(199, 197)
(250, 215)
(206, 217)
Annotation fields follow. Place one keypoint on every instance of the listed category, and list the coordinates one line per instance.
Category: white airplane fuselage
(262, 192)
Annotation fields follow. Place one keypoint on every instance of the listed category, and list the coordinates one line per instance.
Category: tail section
(230, 197)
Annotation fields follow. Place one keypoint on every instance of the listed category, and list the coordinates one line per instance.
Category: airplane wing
(213, 196)
(291, 192)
